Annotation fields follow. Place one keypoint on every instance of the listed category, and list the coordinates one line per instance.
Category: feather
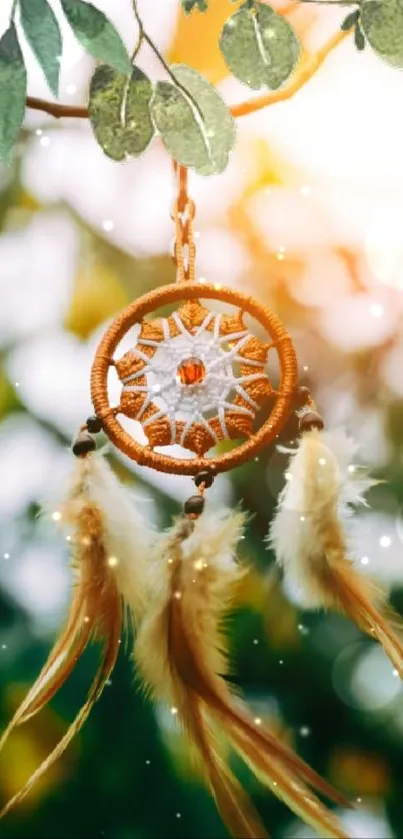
(181, 653)
(109, 540)
(126, 531)
(312, 539)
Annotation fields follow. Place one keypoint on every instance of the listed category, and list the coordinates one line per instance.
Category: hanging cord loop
(184, 250)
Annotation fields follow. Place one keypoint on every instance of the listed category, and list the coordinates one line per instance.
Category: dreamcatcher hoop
(187, 291)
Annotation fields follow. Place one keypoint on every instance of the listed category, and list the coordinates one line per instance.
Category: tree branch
(299, 79)
(305, 72)
(56, 110)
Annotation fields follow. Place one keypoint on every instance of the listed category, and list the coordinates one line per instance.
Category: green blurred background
(309, 220)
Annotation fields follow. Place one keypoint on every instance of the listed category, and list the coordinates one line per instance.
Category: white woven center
(193, 403)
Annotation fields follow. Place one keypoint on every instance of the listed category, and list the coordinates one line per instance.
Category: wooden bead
(194, 506)
(311, 420)
(302, 396)
(83, 444)
(94, 424)
(205, 477)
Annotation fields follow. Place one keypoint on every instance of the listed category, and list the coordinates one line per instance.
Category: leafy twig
(138, 46)
(144, 36)
(331, 2)
(300, 78)
(305, 72)
(56, 110)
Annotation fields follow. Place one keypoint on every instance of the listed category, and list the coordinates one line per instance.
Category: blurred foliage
(97, 295)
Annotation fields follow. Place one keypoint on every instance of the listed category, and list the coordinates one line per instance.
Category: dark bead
(194, 506)
(94, 424)
(302, 396)
(83, 444)
(311, 420)
(205, 477)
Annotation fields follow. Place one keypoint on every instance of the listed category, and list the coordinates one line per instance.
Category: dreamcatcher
(194, 378)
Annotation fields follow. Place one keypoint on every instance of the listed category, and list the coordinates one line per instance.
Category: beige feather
(181, 653)
(109, 540)
(310, 536)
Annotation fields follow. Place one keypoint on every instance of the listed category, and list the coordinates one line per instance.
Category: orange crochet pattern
(194, 378)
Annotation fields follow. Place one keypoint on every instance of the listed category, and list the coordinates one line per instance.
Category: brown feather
(108, 662)
(232, 802)
(181, 652)
(288, 786)
(214, 691)
(310, 536)
(276, 766)
(340, 585)
(96, 613)
(67, 649)
(346, 590)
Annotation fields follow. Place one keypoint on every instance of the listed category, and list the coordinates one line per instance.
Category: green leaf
(43, 34)
(350, 20)
(189, 5)
(97, 34)
(382, 22)
(193, 121)
(359, 38)
(259, 46)
(119, 110)
(13, 91)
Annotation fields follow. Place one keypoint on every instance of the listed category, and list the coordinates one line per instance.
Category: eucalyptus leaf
(259, 46)
(119, 111)
(359, 38)
(193, 121)
(350, 21)
(42, 32)
(97, 34)
(13, 91)
(189, 5)
(382, 22)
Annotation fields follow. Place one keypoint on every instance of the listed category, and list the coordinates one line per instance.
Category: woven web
(222, 404)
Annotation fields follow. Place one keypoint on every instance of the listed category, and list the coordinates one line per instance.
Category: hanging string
(184, 250)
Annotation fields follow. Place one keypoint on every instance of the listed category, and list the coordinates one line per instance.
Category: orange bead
(191, 371)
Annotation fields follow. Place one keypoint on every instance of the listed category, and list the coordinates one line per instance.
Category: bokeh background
(309, 218)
